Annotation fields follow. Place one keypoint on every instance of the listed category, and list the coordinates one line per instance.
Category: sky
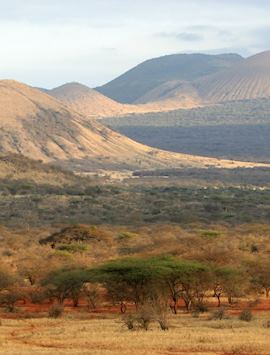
(47, 43)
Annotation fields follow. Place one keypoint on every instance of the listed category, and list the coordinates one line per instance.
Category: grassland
(107, 336)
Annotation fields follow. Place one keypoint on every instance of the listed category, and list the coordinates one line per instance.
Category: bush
(37, 295)
(72, 248)
(195, 314)
(129, 320)
(200, 308)
(219, 314)
(246, 315)
(126, 235)
(210, 234)
(56, 311)
(254, 248)
(144, 316)
(5, 279)
(9, 298)
(139, 320)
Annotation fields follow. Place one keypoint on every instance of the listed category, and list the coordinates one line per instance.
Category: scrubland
(45, 276)
(140, 266)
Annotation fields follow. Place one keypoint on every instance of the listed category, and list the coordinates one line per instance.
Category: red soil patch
(27, 308)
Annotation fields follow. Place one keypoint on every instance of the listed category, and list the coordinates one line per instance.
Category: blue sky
(49, 42)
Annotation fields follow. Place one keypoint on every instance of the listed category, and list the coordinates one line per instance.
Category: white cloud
(46, 43)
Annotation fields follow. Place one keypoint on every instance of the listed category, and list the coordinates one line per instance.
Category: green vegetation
(144, 288)
(210, 234)
(63, 284)
(212, 176)
(233, 130)
(135, 204)
(242, 112)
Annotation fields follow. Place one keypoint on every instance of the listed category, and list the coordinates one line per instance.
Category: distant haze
(47, 43)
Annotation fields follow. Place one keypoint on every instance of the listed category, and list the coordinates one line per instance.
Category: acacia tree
(66, 283)
(145, 280)
(130, 280)
(91, 292)
(188, 280)
(140, 281)
(42, 262)
(259, 271)
(229, 281)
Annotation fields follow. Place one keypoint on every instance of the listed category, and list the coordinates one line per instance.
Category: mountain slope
(16, 167)
(38, 126)
(179, 94)
(249, 79)
(135, 83)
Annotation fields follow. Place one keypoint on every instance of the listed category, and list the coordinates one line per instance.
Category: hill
(40, 127)
(92, 104)
(16, 167)
(134, 84)
(88, 102)
(248, 79)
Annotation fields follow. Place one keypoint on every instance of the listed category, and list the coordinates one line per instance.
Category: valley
(134, 217)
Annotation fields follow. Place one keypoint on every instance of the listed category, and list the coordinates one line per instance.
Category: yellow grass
(187, 335)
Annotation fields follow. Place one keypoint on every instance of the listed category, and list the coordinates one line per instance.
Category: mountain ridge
(136, 82)
(248, 79)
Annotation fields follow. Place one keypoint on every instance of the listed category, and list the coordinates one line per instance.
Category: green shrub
(209, 234)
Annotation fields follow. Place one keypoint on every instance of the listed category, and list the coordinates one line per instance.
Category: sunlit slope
(249, 79)
(38, 126)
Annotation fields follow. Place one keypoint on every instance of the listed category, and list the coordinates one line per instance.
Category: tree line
(146, 285)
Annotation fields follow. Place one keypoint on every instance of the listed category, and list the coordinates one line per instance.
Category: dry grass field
(187, 335)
